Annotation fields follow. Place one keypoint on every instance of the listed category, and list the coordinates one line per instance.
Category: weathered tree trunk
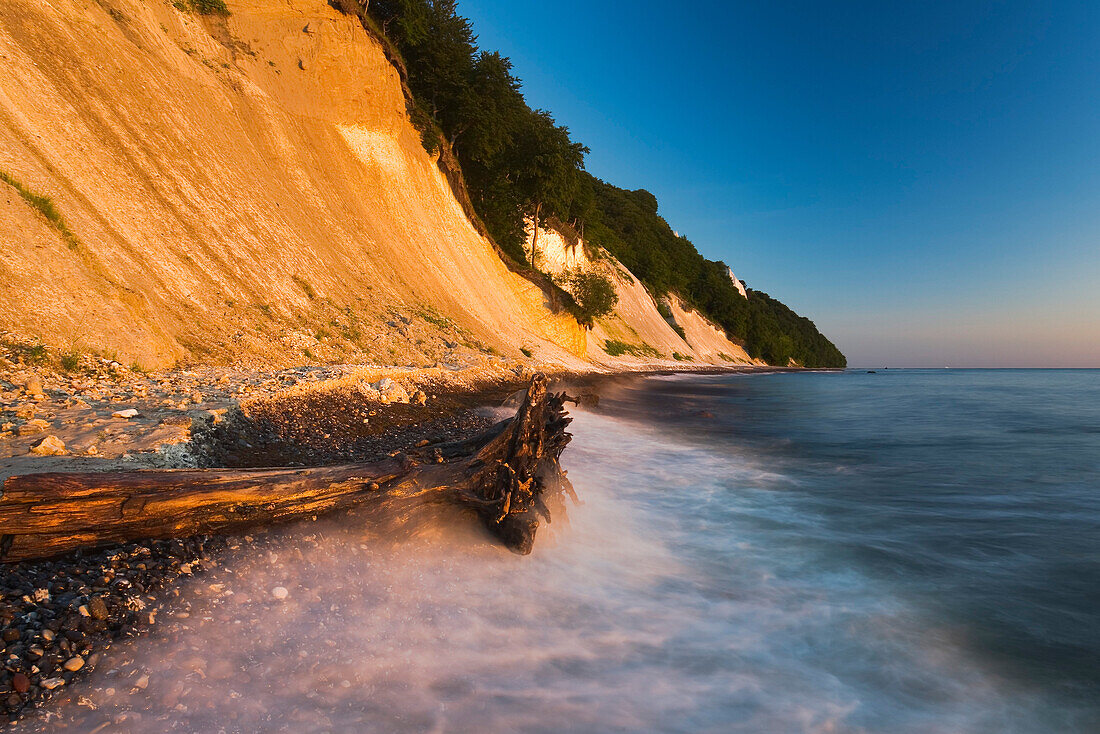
(507, 474)
(535, 238)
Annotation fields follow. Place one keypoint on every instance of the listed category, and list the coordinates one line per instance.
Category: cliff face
(637, 321)
(240, 187)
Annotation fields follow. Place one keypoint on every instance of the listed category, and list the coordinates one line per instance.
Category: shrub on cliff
(593, 292)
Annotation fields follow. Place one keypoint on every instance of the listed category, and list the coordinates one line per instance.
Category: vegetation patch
(350, 331)
(593, 295)
(617, 349)
(527, 352)
(682, 357)
(517, 162)
(70, 361)
(435, 318)
(202, 7)
(31, 353)
(45, 206)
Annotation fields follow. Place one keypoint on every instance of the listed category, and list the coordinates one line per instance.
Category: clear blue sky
(922, 179)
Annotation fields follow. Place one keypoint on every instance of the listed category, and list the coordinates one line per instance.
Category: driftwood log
(508, 475)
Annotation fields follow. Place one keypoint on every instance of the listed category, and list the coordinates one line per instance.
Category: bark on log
(507, 474)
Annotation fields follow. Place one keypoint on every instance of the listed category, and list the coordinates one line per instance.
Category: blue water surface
(970, 497)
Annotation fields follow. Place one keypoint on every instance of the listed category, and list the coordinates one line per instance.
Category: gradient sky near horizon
(922, 179)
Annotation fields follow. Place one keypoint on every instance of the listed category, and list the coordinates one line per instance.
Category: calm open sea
(907, 551)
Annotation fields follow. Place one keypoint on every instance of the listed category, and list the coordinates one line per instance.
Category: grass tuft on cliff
(616, 348)
(45, 206)
(202, 7)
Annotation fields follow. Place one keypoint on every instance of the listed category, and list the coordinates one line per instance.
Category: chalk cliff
(241, 187)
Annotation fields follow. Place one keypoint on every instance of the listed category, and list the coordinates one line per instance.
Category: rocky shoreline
(59, 616)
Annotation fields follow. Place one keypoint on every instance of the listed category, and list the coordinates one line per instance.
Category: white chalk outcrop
(636, 322)
(737, 283)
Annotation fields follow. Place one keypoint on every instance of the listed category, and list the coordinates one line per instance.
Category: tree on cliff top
(547, 166)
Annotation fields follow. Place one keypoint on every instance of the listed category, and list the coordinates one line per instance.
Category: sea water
(904, 551)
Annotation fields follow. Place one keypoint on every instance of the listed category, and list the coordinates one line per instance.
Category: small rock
(74, 664)
(128, 413)
(97, 608)
(280, 592)
(142, 683)
(34, 386)
(419, 398)
(391, 391)
(20, 683)
(50, 446)
(51, 683)
(33, 426)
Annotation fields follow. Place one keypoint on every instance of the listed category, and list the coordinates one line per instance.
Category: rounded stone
(50, 446)
(97, 608)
